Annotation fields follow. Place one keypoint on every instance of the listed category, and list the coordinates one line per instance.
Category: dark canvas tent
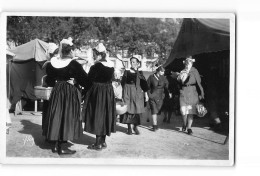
(25, 70)
(208, 41)
(9, 56)
(198, 36)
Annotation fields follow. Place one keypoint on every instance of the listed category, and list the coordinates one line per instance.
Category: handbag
(201, 110)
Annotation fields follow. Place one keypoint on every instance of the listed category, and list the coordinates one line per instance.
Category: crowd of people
(90, 97)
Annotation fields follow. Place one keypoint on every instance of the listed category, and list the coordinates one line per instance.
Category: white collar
(57, 62)
(132, 71)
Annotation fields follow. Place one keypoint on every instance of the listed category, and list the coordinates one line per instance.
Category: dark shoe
(49, 141)
(56, 146)
(129, 129)
(11, 110)
(155, 128)
(217, 127)
(136, 130)
(95, 147)
(189, 132)
(183, 128)
(103, 142)
(55, 149)
(104, 145)
(129, 132)
(65, 151)
(147, 120)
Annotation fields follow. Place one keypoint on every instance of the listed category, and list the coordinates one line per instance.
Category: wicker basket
(201, 110)
(42, 92)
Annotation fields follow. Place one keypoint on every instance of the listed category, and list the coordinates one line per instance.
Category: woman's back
(100, 73)
(72, 70)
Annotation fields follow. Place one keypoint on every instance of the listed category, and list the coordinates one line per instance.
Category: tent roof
(9, 53)
(198, 36)
(220, 26)
(34, 49)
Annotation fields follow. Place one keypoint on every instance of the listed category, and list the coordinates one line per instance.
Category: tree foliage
(144, 36)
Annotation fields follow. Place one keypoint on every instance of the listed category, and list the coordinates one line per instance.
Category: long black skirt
(63, 117)
(99, 109)
(44, 116)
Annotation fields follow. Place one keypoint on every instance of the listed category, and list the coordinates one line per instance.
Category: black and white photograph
(119, 89)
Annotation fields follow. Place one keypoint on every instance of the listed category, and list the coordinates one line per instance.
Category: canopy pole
(9, 80)
(35, 106)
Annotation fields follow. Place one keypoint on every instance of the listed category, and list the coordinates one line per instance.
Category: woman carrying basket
(189, 97)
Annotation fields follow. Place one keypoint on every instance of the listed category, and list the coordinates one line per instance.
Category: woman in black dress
(134, 94)
(157, 83)
(171, 105)
(64, 121)
(99, 109)
(53, 52)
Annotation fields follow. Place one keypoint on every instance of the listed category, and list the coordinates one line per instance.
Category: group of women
(63, 117)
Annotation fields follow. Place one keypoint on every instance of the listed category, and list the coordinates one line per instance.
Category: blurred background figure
(116, 83)
(157, 84)
(213, 97)
(118, 89)
(8, 117)
(171, 105)
(85, 58)
(176, 93)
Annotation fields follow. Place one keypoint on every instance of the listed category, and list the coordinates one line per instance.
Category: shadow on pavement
(176, 123)
(35, 131)
(223, 127)
(85, 139)
(121, 129)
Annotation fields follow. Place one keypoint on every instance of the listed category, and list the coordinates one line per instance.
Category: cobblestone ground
(25, 140)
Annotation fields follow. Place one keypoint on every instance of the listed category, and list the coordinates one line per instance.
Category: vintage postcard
(118, 88)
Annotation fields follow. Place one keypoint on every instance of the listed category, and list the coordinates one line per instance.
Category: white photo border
(93, 161)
